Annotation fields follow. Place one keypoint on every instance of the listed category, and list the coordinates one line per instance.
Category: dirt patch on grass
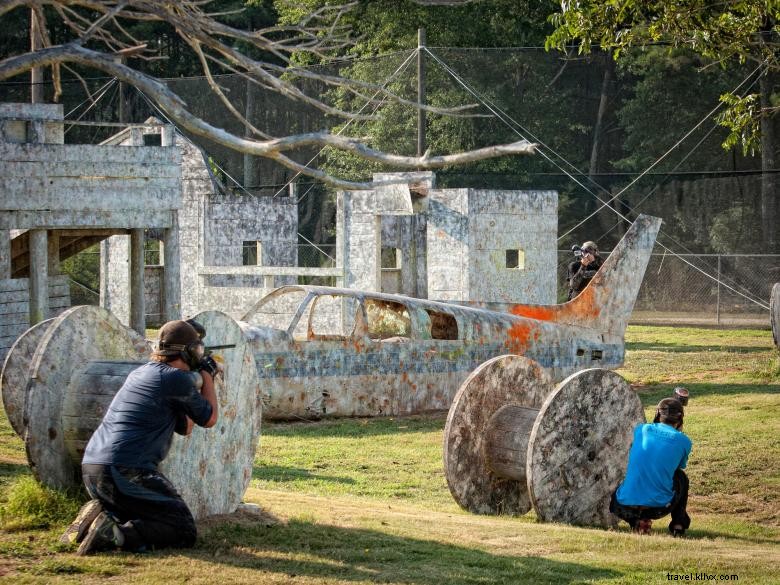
(248, 515)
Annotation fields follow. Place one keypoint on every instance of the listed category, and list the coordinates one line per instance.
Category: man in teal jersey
(655, 484)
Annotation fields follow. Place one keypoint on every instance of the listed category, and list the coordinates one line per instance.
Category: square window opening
(391, 258)
(251, 253)
(515, 259)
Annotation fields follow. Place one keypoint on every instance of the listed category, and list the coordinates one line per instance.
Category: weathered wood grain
(88, 168)
(89, 152)
(212, 468)
(506, 442)
(16, 373)
(69, 218)
(78, 336)
(501, 381)
(578, 450)
(90, 392)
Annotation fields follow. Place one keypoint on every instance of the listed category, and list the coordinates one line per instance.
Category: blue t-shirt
(138, 426)
(657, 452)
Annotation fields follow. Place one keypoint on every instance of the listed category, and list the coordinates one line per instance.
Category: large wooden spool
(69, 391)
(482, 445)
(511, 442)
(578, 448)
(79, 335)
(16, 373)
(774, 313)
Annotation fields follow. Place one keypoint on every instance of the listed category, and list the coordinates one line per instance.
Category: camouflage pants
(150, 512)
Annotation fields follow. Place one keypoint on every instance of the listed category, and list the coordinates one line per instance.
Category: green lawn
(365, 501)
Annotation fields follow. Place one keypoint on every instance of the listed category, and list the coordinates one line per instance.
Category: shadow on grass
(282, 474)
(685, 348)
(330, 552)
(651, 395)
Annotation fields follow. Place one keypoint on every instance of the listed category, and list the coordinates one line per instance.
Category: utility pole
(420, 91)
(36, 73)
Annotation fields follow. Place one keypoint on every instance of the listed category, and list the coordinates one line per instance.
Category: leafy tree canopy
(742, 30)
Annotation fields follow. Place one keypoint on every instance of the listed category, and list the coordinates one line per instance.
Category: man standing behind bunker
(135, 507)
(582, 270)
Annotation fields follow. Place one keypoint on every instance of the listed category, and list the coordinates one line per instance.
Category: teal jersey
(658, 450)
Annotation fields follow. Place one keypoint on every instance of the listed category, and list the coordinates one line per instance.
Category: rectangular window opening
(391, 258)
(152, 139)
(387, 320)
(596, 355)
(152, 253)
(443, 325)
(515, 259)
(252, 253)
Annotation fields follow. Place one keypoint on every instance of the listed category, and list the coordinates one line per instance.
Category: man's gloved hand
(209, 365)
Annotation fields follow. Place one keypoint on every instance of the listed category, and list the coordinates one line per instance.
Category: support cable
(395, 73)
(95, 101)
(505, 118)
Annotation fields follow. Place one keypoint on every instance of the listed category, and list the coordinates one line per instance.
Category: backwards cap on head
(670, 411)
(175, 336)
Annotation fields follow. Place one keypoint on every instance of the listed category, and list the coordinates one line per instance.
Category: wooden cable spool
(73, 339)
(82, 361)
(578, 448)
(512, 442)
(484, 440)
(16, 373)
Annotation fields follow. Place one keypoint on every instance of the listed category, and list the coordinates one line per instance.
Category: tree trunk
(768, 181)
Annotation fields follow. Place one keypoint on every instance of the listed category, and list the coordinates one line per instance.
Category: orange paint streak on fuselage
(583, 310)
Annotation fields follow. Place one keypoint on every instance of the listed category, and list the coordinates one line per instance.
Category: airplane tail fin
(606, 303)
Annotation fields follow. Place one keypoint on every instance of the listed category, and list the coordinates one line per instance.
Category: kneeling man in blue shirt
(655, 484)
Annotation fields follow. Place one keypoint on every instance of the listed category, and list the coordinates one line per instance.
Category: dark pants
(149, 510)
(633, 514)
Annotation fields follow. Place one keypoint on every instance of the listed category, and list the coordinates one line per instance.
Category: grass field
(365, 501)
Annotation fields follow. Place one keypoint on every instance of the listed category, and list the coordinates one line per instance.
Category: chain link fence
(700, 289)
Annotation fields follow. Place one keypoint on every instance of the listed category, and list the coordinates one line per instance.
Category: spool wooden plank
(90, 392)
(774, 313)
(16, 373)
(78, 336)
(501, 381)
(212, 468)
(578, 450)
